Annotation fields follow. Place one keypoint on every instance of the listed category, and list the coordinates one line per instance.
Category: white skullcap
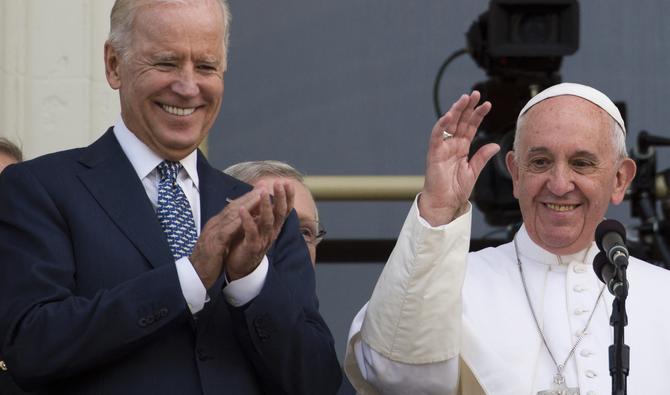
(585, 92)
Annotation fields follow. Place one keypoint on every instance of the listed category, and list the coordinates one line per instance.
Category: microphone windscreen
(607, 226)
(599, 263)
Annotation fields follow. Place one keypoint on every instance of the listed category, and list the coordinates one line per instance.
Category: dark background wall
(344, 87)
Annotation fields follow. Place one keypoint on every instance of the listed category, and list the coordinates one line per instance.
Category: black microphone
(606, 272)
(611, 239)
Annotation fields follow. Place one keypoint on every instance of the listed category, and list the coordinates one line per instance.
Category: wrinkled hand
(260, 228)
(450, 176)
(237, 238)
(216, 238)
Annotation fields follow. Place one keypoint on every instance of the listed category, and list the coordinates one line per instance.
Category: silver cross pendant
(560, 388)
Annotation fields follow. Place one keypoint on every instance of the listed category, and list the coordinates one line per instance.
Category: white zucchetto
(585, 92)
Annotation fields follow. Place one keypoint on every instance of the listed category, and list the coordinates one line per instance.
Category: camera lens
(536, 29)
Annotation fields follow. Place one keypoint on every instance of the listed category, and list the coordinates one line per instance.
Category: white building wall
(53, 92)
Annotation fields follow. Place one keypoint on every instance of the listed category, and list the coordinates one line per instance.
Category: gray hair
(254, 170)
(618, 138)
(123, 16)
(10, 149)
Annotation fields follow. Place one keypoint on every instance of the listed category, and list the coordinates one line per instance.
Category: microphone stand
(619, 352)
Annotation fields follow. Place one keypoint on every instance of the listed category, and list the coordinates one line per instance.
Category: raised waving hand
(450, 175)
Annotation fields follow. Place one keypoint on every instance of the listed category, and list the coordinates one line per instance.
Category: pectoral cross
(560, 388)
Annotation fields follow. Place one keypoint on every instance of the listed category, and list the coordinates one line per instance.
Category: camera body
(520, 44)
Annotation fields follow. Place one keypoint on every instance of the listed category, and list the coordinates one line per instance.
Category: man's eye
(307, 232)
(538, 164)
(207, 68)
(582, 163)
(583, 166)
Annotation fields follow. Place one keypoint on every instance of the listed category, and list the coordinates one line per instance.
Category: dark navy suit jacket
(90, 301)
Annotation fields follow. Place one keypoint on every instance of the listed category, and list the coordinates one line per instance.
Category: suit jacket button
(142, 322)
(202, 355)
(263, 327)
(260, 322)
(163, 312)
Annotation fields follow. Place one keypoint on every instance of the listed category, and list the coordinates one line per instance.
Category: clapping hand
(260, 228)
(237, 238)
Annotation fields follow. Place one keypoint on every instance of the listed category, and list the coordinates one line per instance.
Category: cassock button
(591, 374)
(591, 393)
(578, 288)
(579, 269)
(585, 353)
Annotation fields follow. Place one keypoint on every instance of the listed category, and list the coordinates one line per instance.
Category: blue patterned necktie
(174, 211)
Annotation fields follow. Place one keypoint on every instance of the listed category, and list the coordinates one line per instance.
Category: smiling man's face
(171, 80)
(566, 172)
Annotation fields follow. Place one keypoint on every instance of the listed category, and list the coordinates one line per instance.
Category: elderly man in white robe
(531, 316)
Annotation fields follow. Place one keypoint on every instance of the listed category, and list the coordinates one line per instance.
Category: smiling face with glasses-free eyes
(305, 207)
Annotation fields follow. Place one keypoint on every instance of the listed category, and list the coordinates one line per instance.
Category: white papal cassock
(436, 325)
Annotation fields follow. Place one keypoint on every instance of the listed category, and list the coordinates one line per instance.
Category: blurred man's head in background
(9, 153)
(267, 171)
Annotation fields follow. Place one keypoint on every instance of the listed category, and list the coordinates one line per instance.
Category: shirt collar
(144, 160)
(530, 250)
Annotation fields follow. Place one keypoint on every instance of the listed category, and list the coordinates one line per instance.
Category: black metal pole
(619, 352)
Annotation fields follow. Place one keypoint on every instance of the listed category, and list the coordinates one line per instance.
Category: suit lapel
(215, 188)
(110, 178)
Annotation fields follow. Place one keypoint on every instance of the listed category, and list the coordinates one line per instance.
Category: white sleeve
(237, 293)
(192, 288)
(407, 338)
(243, 290)
(371, 373)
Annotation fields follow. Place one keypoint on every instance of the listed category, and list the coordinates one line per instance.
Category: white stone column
(53, 92)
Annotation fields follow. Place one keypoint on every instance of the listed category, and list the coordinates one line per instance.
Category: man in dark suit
(10, 154)
(133, 266)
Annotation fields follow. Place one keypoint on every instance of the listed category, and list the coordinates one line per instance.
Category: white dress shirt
(144, 161)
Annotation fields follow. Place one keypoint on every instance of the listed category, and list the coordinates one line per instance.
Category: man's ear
(624, 176)
(513, 169)
(112, 63)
